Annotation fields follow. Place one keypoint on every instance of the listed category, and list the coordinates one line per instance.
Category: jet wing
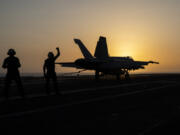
(69, 64)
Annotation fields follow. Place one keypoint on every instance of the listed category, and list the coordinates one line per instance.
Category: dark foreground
(144, 105)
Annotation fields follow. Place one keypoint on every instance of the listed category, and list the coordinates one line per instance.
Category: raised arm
(58, 53)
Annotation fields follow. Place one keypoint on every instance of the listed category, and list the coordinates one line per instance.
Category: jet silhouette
(101, 62)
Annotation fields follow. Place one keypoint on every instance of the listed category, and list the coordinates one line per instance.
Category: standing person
(49, 70)
(12, 64)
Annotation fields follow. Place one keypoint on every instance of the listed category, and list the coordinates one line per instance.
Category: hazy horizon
(144, 29)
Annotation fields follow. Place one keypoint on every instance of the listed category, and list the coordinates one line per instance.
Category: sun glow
(144, 30)
(125, 48)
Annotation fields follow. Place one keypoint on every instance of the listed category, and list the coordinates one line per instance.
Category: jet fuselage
(107, 65)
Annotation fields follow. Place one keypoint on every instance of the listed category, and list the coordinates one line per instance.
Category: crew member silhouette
(49, 70)
(12, 64)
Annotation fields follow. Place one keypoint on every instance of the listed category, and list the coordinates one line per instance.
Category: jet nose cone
(156, 62)
(153, 62)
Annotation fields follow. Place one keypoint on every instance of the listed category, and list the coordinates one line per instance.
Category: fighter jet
(102, 63)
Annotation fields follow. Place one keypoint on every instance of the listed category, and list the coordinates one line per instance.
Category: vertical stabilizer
(101, 48)
(84, 50)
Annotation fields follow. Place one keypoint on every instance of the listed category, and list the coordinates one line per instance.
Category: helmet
(50, 55)
(11, 52)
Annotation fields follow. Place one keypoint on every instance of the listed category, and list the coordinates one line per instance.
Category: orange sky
(143, 29)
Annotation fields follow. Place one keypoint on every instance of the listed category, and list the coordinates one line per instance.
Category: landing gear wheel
(127, 76)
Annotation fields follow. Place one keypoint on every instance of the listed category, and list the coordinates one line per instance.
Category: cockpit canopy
(128, 58)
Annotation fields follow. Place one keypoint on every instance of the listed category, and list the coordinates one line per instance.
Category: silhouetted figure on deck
(12, 64)
(49, 70)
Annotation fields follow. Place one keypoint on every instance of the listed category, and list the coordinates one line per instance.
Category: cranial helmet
(11, 52)
(50, 55)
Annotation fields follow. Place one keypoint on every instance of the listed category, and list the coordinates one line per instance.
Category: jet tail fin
(84, 50)
(101, 48)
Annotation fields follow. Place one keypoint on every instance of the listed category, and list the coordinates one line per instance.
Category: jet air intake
(86, 63)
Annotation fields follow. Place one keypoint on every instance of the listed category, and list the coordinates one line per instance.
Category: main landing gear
(118, 75)
(127, 75)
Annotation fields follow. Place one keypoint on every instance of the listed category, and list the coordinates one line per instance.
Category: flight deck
(145, 104)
